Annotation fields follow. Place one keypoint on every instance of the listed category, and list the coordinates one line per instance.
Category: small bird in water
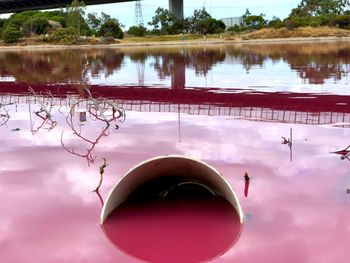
(348, 191)
(246, 176)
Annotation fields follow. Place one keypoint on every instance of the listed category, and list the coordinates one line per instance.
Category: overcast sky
(125, 12)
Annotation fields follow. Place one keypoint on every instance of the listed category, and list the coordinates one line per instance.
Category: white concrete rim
(235, 202)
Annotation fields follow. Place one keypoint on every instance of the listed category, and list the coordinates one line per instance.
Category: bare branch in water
(100, 110)
(102, 170)
(45, 111)
(77, 131)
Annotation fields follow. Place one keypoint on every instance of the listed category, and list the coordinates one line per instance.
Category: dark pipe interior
(171, 188)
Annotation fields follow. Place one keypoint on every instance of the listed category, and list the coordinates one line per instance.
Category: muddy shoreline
(179, 43)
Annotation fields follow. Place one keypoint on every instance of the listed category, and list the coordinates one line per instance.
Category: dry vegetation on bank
(266, 33)
(297, 32)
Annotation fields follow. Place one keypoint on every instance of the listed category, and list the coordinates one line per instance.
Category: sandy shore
(179, 43)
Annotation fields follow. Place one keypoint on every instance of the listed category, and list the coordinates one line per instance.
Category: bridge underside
(12, 6)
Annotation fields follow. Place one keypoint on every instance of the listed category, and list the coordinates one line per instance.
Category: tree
(275, 22)
(75, 13)
(11, 35)
(253, 21)
(18, 19)
(37, 26)
(319, 7)
(199, 21)
(2, 24)
(164, 21)
(215, 26)
(111, 28)
(93, 21)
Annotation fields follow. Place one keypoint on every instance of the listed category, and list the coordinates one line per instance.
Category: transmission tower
(138, 13)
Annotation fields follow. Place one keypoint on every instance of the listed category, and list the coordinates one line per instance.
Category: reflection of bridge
(10, 6)
(277, 107)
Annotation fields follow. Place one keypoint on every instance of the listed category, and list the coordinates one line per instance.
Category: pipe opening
(171, 188)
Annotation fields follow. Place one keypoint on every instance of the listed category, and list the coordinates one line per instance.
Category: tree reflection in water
(4, 114)
(313, 63)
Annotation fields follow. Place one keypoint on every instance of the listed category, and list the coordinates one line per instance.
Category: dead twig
(77, 131)
(102, 170)
(99, 110)
(44, 113)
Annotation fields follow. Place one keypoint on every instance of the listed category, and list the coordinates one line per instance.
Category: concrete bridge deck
(13, 6)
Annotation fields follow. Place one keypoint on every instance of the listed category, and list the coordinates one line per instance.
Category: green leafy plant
(62, 35)
(11, 35)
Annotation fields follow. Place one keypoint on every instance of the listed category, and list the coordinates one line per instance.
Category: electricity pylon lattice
(138, 13)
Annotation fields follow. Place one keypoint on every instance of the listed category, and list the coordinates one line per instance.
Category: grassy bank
(267, 33)
(297, 32)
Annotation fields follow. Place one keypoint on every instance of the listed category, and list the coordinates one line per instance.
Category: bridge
(13, 6)
(311, 109)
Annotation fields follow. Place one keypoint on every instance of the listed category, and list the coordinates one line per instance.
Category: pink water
(296, 206)
(182, 231)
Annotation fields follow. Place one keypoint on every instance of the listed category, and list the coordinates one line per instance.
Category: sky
(125, 12)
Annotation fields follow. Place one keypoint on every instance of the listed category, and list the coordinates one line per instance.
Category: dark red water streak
(307, 102)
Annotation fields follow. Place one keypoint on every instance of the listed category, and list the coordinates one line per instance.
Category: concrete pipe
(172, 209)
(195, 171)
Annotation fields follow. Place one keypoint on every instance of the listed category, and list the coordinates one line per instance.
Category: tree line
(69, 24)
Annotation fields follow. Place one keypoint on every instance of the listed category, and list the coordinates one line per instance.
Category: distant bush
(2, 24)
(62, 35)
(11, 35)
(111, 28)
(37, 26)
(275, 23)
(137, 31)
(342, 21)
(313, 21)
(215, 26)
(234, 28)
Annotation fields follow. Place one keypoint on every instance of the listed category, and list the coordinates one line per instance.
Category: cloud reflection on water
(295, 210)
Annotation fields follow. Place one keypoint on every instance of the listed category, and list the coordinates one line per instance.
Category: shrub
(235, 28)
(215, 26)
(313, 21)
(62, 35)
(137, 31)
(342, 21)
(276, 23)
(36, 26)
(11, 35)
(111, 28)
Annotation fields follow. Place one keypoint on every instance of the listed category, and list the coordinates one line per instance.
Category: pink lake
(296, 206)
